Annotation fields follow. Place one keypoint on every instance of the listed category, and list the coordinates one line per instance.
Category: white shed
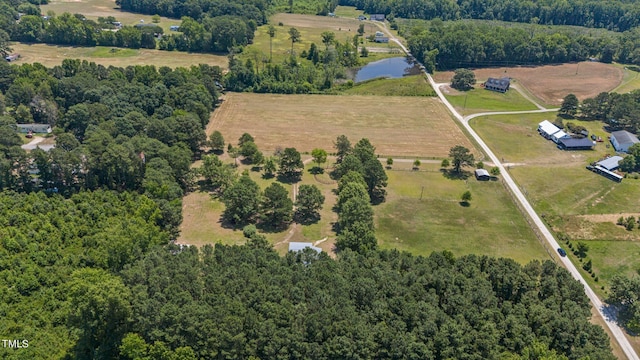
(546, 129)
(559, 135)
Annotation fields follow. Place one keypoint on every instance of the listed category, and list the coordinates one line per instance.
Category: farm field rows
(52, 55)
(397, 126)
(551, 83)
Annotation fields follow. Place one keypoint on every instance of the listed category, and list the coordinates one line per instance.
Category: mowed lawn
(52, 55)
(397, 126)
(480, 100)
(491, 225)
(573, 201)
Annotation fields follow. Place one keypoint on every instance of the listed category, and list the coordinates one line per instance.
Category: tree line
(451, 45)
(617, 15)
(126, 129)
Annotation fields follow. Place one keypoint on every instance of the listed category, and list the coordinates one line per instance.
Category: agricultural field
(491, 225)
(93, 9)
(397, 126)
(572, 200)
(480, 100)
(51, 55)
(551, 83)
(415, 85)
(630, 80)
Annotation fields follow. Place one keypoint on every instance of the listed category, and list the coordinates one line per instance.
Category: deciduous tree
(461, 156)
(242, 201)
(308, 202)
(463, 79)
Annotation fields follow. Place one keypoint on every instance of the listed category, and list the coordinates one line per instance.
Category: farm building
(499, 85)
(377, 17)
(380, 38)
(546, 129)
(12, 57)
(34, 128)
(610, 163)
(606, 173)
(569, 143)
(482, 174)
(299, 246)
(622, 140)
(174, 27)
(559, 135)
(362, 17)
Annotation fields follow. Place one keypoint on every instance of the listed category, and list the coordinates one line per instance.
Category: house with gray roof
(499, 85)
(622, 140)
(34, 128)
(299, 246)
(610, 163)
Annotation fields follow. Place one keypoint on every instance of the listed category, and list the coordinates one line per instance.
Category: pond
(395, 67)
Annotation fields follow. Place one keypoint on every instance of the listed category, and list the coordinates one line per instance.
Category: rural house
(610, 163)
(499, 85)
(377, 17)
(482, 174)
(34, 128)
(569, 143)
(546, 129)
(299, 246)
(622, 140)
(380, 38)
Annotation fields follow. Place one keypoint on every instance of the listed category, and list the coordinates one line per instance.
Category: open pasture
(480, 100)
(551, 83)
(491, 225)
(93, 9)
(397, 126)
(51, 55)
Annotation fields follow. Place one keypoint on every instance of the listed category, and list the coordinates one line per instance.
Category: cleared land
(415, 85)
(93, 9)
(572, 200)
(491, 225)
(630, 80)
(551, 83)
(480, 100)
(397, 126)
(51, 55)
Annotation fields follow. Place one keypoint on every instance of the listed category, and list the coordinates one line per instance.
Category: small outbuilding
(12, 57)
(34, 128)
(610, 163)
(362, 17)
(546, 129)
(174, 27)
(482, 174)
(622, 140)
(377, 17)
(570, 143)
(299, 246)
(499, 85)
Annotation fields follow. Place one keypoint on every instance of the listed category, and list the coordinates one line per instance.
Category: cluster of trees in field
(450, 45)
(624, 294)
(618, 15)
(618, 111)
(210, 34)
(247, 301)
(313, 70)
(47, 243)
(136, 128)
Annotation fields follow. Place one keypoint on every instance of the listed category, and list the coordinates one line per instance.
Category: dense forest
(449, 45)
(617, 15)
(136, 128)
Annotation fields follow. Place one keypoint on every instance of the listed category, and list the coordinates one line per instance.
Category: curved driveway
(606, 313)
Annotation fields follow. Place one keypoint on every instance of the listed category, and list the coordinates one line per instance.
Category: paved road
(605, 312)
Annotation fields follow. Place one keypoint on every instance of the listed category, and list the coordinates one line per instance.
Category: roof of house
(376, 17)
(570, 142)
(624, 137)
(559, 135)
(299, 246)
(498, 83)
(482, 172)
(548, 127)
(610, 163)
(34, 127)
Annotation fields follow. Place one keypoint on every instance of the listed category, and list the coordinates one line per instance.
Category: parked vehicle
(562, 252)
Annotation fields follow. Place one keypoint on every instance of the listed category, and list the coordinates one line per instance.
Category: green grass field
(573, 201)
(630, 81)
(480, 100)
(415, 85)
(491, 225)
(348, 11)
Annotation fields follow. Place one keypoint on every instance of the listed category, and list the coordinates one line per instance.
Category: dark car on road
(562, 252)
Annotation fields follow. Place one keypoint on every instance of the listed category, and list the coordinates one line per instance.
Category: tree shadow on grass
(464, 203)
(316, 170)
(289, 179)
(453, 175)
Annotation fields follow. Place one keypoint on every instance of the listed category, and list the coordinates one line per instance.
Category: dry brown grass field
(397, 126)
(51, 55)
(551, 83)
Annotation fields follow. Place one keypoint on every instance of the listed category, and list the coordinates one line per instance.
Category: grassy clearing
(630, 81)
(93, 9)
(398, 126)
(52, 55)
(415, 85)
(574, 201)
(348, 11)
(491, 225)
(481, 100)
